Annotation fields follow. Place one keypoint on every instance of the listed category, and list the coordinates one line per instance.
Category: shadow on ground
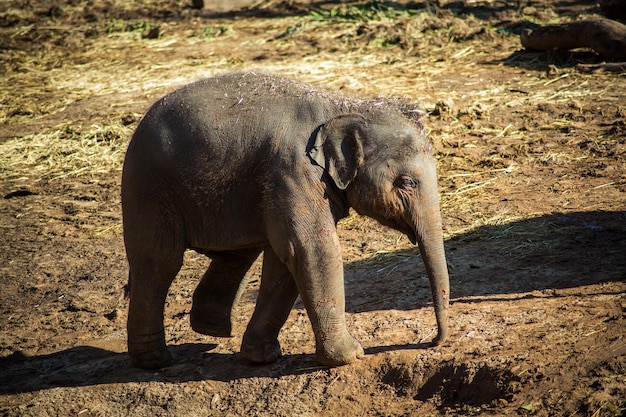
(86, 365)
(547, 253)
(544, 253)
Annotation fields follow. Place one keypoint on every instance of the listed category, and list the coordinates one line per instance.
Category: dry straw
(64, 153)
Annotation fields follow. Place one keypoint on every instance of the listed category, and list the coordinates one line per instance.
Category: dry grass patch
(64, 153)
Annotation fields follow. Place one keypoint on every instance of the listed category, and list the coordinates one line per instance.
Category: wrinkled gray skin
(241, 164)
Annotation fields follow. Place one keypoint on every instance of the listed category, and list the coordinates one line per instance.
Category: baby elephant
(245, 163)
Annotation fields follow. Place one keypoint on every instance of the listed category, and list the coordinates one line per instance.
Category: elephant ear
(338, 148)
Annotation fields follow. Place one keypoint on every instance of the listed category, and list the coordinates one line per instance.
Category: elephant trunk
(429, 234)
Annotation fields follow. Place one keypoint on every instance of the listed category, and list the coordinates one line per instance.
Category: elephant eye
(406, 182)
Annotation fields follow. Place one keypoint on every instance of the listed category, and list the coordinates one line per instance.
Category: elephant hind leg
(149, 280)
(218, 291)
(155, 248)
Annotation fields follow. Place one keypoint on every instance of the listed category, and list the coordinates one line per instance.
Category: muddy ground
(531, 157)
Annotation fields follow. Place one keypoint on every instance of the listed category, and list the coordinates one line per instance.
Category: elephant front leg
(314, 258)
(277, 294)
(321, 286)
(218, 290)
(325, 306)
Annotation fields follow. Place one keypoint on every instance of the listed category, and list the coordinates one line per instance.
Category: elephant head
(385, 167)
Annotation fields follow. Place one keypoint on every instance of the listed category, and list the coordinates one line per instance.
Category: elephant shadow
(549, 252)
(83, 366)
(490, 263)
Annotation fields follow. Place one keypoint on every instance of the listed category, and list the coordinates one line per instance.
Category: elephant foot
(149, 357)
(339, 351)
(210, 323)
(261, 349)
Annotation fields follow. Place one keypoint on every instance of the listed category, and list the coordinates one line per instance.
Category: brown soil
(532, 172)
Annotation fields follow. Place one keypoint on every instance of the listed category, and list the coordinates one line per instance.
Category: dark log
(617, 67)
(613, 9)
(606, 37)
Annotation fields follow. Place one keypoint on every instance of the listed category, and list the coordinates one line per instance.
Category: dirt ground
(532, 166)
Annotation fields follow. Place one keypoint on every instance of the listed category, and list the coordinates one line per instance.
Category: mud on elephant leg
(218, 290)
(277, 295)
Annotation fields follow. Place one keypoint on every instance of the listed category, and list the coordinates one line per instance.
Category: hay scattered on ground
(64, 153)
(395, 51)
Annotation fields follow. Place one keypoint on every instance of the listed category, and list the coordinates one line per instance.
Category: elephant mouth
(401, 226)
(412, 237)
(410, 233)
